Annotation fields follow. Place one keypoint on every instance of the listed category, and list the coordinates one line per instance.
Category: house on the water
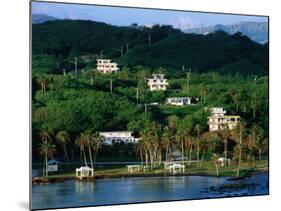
(106, 66)
(118, 137)
(218, 120)
(178, 101)
(157, 82)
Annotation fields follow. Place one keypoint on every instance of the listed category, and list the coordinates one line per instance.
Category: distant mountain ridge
(257, 31)
(41, 18)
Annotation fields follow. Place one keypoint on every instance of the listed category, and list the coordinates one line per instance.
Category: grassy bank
(207, 169)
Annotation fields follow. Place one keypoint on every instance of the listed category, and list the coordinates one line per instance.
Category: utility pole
(188, 78)
(63, 70)
(145, 109)
(76, 65)
(137, 95)
(121, 50)
(149, 39)
(111, 85)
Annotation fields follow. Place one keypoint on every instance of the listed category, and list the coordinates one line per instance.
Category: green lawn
(207, 168)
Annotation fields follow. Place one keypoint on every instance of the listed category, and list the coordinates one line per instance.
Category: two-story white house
(157, 82)
(112, 137)
(219, 121)
(178, 101)
(106, 66)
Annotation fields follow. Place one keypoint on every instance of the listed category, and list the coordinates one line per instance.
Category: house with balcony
(219, 121)
(113, 137)
(157, 82)
(106, 66)
(178, 101)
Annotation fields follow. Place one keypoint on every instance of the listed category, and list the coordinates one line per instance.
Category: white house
(106, 66)
(53, 165)
(219, 121)
(179, 101)
(118, 137)
(157, 82)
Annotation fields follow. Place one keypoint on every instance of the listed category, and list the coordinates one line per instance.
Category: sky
(126, 16)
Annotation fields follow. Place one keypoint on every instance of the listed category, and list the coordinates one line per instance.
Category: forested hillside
(59, 41)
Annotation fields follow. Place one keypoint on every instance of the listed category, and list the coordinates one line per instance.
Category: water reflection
(131, 190)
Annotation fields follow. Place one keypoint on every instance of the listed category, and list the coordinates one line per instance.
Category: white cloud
(185, 22)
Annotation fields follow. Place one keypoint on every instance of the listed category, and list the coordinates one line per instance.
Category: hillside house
(178, 101)
(106, 66)
(157, 82)
(219, 121)
(118, 137)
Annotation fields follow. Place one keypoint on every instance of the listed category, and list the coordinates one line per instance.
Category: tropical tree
(46, 150)
(96, 142)
(198, 130)
(239, 133)
(203, 92)
(180, 141)
(42, 81)
(87, 137)
(63, 138)
(166, 142)
(45, 134)
(81, 143)
(207, 141)
(139, 148)
(215, 161)
(224, 135)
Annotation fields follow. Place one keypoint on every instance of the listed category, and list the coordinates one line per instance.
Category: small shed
(53, 165)
(84, 172)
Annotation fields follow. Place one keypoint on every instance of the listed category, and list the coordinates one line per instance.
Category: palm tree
(198, 131)
(180, 141)
(96, 144)
(45, 134)
(172, 122)
(203, 91)
(43, 83)
(206, 142)
(238, 134)
(166, 143)
(87, 137)
(139, 148)
(46, 150)
(236, 97)
(224, 135)
(63, 138)
(215, 158)
(80, 141)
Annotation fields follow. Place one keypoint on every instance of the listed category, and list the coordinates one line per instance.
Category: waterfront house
(157, 82)
(179, 101)
(53, 166)
(118, 137)
(106, 66)
(218, 120)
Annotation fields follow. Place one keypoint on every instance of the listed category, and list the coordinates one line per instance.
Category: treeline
(62, 40)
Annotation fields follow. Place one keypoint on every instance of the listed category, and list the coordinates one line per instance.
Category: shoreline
(43, 181)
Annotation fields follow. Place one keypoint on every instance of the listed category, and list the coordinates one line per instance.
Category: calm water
(73, 193)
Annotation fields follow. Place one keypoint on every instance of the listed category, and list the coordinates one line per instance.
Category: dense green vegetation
(169, 47)
(69, 110)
